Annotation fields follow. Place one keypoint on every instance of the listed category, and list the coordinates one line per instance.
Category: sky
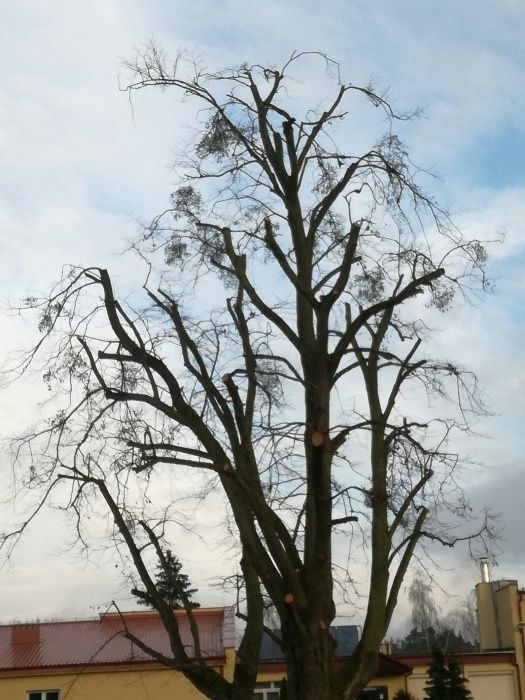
(81, 166)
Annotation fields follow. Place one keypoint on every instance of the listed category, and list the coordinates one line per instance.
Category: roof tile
(102, 641)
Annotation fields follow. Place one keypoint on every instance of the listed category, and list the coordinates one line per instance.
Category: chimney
(484, 566)
(385, 648)
(25, 634)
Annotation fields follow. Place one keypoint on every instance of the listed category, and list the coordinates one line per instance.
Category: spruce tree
(446, 682)
(172, 584)
(457, 682)
(436, 688)
(402, 694)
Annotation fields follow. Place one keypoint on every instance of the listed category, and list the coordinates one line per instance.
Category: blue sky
(80, 166)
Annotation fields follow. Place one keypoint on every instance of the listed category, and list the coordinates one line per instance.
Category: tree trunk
(310, 669)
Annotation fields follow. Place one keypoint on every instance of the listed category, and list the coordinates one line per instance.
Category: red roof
(102, 641)
(469, 657)
(388, 666)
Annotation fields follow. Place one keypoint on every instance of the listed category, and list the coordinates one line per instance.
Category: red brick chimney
(25, 634)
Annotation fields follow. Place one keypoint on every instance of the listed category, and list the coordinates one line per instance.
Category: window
(374, 693)
(42, 695)
(267, 691)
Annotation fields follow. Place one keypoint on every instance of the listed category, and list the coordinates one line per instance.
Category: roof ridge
(110, 615)
(49, 622)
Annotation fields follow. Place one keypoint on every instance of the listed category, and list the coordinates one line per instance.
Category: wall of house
(497, 612)
(486, 681)
(501, 620)
(520, 637)
(231, 655)
(392, 683)
(149, 684)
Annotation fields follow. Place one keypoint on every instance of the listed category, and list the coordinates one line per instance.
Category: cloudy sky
(80, 166)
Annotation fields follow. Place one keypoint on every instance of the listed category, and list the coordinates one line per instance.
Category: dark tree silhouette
(172, 585)
(436, 688)
(457, 683)
(446, 681)
(402, 694)
(422, 642)
(280, 332)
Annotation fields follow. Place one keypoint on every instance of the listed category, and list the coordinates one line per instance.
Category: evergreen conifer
(172, 584)
(446, 681)
(457, 682)
(436, 688)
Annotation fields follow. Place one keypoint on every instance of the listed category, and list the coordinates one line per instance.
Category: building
(498, 670)
(501, 621)
(392, 674)
(86, 659)
(491, 675)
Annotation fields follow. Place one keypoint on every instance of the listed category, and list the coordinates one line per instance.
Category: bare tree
(430, 630)
(424, 611)
(463, 619)
(278, 356)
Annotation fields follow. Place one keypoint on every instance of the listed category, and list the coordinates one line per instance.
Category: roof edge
(126, 614)
(96, 667)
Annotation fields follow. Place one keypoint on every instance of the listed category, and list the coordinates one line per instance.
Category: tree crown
(278, 357)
